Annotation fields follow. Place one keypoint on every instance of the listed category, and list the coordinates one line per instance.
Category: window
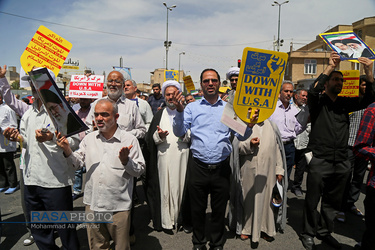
(310, 66)
(356, 66)
(359, 33)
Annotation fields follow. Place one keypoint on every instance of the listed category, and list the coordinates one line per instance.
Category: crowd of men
(185, 155)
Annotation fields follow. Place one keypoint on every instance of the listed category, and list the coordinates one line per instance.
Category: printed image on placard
(64, 119)
(348, 45)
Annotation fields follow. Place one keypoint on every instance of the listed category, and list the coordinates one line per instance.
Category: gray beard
(170, 105)
(114, 95)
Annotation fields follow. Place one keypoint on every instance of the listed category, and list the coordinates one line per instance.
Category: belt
(287, 142)
(209, 166)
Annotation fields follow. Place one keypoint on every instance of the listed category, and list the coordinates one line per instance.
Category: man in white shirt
(47, 175)
(112, 158)
(130, 118)
(8, 172)
(130, 90)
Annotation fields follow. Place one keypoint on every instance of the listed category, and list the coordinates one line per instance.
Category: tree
(15, 84)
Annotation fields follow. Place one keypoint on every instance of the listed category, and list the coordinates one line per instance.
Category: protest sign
(64, 119)
(348, 45)
(82, 86)
(170, 75)
(46, 49)
(259, 82)
(189, 84)
(350, 87)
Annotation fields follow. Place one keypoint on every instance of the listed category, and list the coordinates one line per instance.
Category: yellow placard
(189, 84)
(69, 67)
(351, 83)
(46, 49)
(170, 75)
(259, 82)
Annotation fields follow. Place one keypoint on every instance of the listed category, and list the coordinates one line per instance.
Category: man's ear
(116, 116)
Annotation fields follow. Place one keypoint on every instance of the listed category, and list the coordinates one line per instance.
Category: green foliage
(15, 84)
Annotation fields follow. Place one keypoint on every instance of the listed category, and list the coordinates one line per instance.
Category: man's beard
(114, 95)
(170, 105)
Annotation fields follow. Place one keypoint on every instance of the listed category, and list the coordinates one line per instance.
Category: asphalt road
(347, 233)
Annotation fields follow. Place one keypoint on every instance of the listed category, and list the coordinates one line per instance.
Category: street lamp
(275, 3)
(167, 43)
(179, 63)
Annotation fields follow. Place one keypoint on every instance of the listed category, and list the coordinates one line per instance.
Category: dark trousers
(301, 164)
(368, 239)
(51, 199)
(8, 172)
(27, 215)
(203, 182)
(289, 154)
(326, 180)
(355, 180)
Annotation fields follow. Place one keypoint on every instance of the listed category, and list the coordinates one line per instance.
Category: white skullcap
(168, 84)
(26, 77)
(233, 71)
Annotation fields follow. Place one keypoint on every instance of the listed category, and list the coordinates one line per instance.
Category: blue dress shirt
(210, 138)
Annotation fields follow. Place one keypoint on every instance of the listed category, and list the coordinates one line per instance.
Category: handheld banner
(348, 45)
(170, 75)
(350, 87)
(46, 49)
(64, 119)
(189, 84)
(259, 82)
(82, 86)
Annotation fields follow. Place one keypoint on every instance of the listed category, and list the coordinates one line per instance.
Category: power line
(131, 36)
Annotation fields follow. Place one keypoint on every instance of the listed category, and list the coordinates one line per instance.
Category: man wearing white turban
(232, 76)
(166, 168)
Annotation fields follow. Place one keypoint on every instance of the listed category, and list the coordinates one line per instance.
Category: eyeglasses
(114, 81)
(214, 81)
(338, 79)
(234, 80)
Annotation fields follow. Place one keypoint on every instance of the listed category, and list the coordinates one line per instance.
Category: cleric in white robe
(166, 169)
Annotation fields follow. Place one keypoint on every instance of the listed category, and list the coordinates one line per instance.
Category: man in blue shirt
(209, 168)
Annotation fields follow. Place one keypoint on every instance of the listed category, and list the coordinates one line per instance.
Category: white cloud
(191, 23)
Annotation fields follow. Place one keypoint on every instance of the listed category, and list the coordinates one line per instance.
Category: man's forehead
(209, 73)
(103, 106)
(115, 74)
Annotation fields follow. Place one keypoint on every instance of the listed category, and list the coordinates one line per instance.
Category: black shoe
(266, 237)
(329, 240)
(200, 247)
(188, 229)
(216, 248)
(76, 196)
(307, 242)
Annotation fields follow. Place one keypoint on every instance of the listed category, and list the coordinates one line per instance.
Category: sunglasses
(206, 81)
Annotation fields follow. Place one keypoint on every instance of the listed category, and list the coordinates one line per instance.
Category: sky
(212, 33)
